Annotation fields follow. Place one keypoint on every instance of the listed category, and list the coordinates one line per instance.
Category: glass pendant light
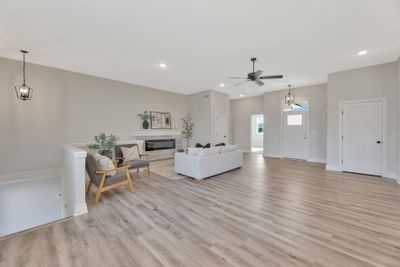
(290, 98)
(24, 92)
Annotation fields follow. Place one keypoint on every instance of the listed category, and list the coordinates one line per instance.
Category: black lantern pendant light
(290, 98)
(24, 92)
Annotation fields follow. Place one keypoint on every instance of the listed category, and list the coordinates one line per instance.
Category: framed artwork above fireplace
(160, 120)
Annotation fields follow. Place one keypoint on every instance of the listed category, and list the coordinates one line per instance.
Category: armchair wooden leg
(137, 171)
(100, 188)
(128, 176)
(88, 188)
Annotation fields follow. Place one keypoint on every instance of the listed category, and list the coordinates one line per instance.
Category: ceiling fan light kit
(24, 92)
(255, 76)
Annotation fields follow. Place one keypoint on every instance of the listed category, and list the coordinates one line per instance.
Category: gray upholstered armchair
(137, 164)
(102, 181)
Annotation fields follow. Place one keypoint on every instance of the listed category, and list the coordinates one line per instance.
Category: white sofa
(200, 163)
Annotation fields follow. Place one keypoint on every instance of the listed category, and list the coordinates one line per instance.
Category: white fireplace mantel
(157, 132)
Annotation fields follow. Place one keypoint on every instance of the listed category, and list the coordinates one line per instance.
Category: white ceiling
(203, 42)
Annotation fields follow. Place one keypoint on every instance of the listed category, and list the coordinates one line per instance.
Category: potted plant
(104, 143)
(145, 117)
(187, 127)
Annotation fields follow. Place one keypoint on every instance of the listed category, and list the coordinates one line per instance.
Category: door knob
(378, 142)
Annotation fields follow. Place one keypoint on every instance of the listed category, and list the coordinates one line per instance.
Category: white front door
(362, 137)
(221, 128)
(295, 135)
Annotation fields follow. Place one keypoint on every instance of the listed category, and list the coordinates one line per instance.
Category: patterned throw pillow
(130, 153)
(105, 164)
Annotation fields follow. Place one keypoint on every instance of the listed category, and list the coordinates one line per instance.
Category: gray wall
(69, 107)
(363, 83)
(241, 110)
(317, 124)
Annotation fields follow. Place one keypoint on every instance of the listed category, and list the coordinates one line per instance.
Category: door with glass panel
(295, 135)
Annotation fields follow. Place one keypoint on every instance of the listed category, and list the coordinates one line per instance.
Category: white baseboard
(272, 155)
(317, 160)
(80, 209)
(332, 168)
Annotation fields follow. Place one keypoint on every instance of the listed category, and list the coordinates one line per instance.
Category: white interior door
(221, 128)
(362, 137)
(295, 135)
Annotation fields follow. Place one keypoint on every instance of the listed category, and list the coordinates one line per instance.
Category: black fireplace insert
(159, 144)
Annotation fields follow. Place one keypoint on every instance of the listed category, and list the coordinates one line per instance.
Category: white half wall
(317, 123)
(68, 107)
(398, 122)
(241, 111)
(364, 83)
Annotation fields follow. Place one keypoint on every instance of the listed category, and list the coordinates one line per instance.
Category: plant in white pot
(145, 117)
(104, 143)
(187, 127)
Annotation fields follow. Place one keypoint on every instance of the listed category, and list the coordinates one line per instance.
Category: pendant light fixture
(24, 92)
(290, 98)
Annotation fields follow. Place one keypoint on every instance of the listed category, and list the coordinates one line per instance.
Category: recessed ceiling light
(363, 52)
(221, 84)
(163, 65)
(241, 95)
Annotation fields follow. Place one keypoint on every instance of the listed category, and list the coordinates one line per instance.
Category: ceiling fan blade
(260, 83)
(237, 77)
(272, 77)
(258, 73)
(242, 82)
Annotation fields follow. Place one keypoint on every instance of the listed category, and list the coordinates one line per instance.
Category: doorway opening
(257, 133)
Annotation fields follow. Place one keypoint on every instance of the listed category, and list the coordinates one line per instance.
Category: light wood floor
(271, 212)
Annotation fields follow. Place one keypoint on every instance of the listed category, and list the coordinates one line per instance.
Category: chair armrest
(116, 169)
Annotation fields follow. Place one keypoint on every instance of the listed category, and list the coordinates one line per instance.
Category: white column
(73, 181)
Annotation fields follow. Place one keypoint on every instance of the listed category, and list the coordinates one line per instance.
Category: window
(301, 104)
(293, 120)
(260, 124)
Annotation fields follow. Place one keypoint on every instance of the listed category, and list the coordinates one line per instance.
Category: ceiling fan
(255, 76)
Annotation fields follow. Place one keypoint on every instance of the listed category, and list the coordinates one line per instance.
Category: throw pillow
(220, 144)
(207, 145)
(105, 164)
(130, 153)
(198, 145)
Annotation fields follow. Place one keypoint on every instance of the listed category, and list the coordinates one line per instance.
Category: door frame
(308, 149)
(250, 130)
(384, 130)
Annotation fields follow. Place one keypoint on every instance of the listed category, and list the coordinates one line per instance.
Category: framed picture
(160, 120)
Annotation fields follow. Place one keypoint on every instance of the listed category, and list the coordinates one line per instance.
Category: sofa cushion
(229, 148)
(130, 153)
(209, 151)
(220, 144)
(207, 145)
(193, 151)
(105, 164)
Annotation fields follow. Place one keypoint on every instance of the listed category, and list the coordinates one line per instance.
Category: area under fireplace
(159, 144)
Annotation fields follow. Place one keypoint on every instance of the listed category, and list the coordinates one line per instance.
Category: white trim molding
(317, 160)
(269, 155)
(332, 168)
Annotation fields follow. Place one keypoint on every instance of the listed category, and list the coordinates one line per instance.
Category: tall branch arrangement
(187, 127)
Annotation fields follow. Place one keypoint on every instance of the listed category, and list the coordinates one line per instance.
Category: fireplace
(159, 144)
